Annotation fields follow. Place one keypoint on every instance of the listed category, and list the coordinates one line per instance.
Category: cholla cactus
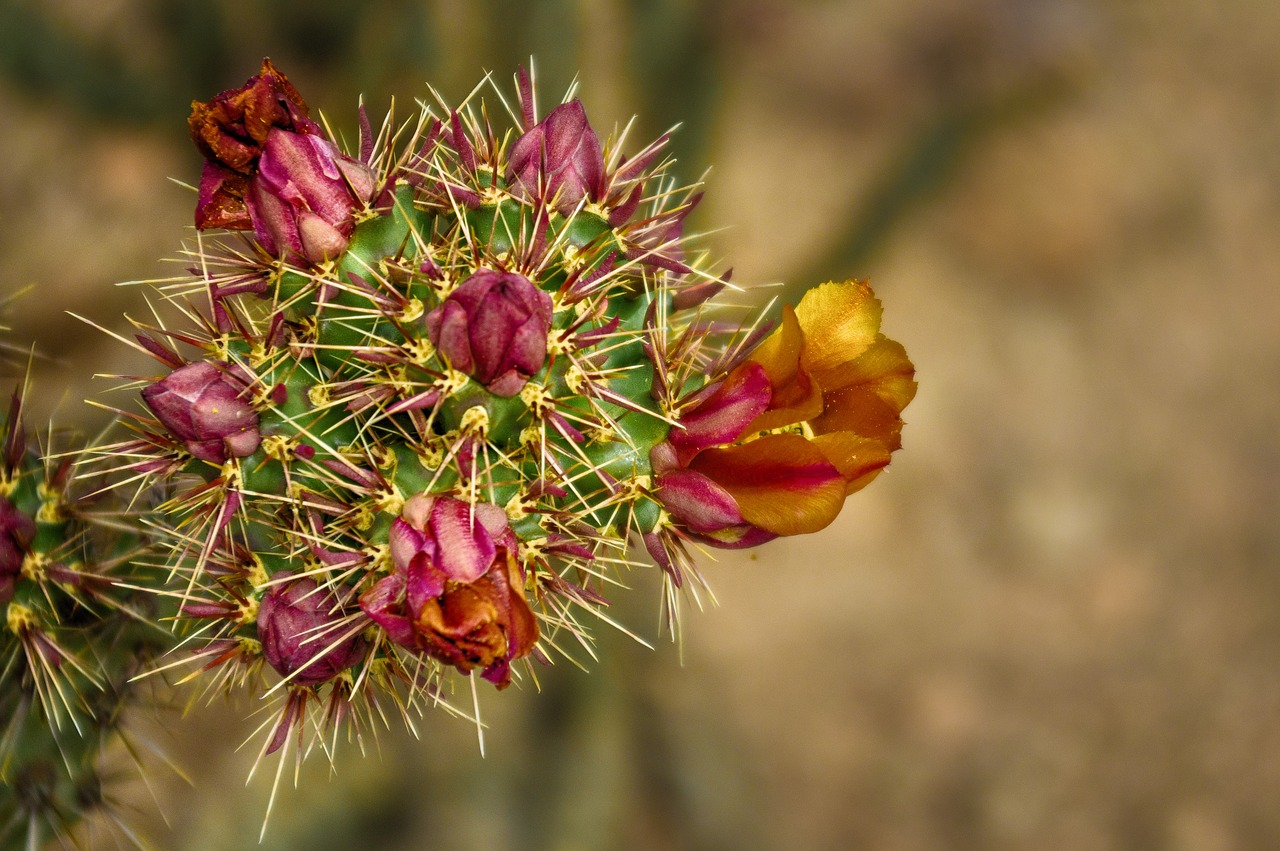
(75, 633)
(433, 395)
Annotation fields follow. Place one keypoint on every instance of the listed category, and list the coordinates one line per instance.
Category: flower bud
(17, 531)
(203, 407)
(559, 159)
(494, 327)
(303, 634)
(230, 131)
(305, 195)
(457, 593)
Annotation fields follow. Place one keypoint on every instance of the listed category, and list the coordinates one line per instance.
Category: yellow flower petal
(884, 367)
(779, 354)
(795, 397)
(840, 321)
(871, 392)
(858, 410)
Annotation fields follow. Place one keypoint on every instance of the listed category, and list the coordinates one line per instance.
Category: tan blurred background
(1054, 623)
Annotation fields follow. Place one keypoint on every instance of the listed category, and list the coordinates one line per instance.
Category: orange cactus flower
(810, 416)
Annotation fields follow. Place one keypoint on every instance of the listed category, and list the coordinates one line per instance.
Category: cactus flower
(230, 130)
(811, 416)
(305, 195)
(17, 531)
(494, 327)
(204, 408)
(302, 632)
(457, 593)
(558, 159)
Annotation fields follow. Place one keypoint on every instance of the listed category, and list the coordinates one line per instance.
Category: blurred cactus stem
(75, 634)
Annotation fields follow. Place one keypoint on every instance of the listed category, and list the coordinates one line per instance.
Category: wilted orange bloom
(809, 417)
(457, 592)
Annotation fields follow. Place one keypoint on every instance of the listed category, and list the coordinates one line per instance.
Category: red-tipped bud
(204, 408)
(230, 130)
(559, 159)
(17, 531)
(494, 328)
(304, 197)
(305, 632)
(457, 593)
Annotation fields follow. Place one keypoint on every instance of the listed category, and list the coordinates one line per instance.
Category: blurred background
(1054, 623)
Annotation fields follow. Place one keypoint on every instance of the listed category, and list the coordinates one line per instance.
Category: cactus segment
(431, 395)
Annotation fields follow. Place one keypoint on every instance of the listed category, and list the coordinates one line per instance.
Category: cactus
(75, 634)
(422, 404)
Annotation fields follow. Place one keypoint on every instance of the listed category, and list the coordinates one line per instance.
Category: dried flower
(494, 327)
(230, 130)
(17, 531)
(457, 593)
(559, 159)
(304, 631)
(811, 416)
(204, 408)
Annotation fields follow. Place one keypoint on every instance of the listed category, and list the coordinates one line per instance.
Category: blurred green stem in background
(929, 161)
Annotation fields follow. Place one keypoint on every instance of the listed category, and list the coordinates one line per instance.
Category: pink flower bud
(558, 159)
(305, 632)
(17, 531)
(205, 408)
(305, 194)
(230, 130)
(494, 328)
(457, 593)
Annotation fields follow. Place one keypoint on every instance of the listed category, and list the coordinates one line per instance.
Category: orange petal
(779, 354)
(781, 482)
(840, 321)
(858, 459)
(884, 367)
(872, 392)
(858, 410)
(795, 397)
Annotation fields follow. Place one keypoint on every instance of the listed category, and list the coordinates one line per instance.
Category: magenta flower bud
(457, 593)
(204, 408)
(230, 130)
(559, 159)
(305, 195)
(305, 632)
(494, 328)
(17, 531)
(460, 541)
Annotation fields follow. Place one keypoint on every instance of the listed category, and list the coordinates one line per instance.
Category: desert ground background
(1054, 623)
